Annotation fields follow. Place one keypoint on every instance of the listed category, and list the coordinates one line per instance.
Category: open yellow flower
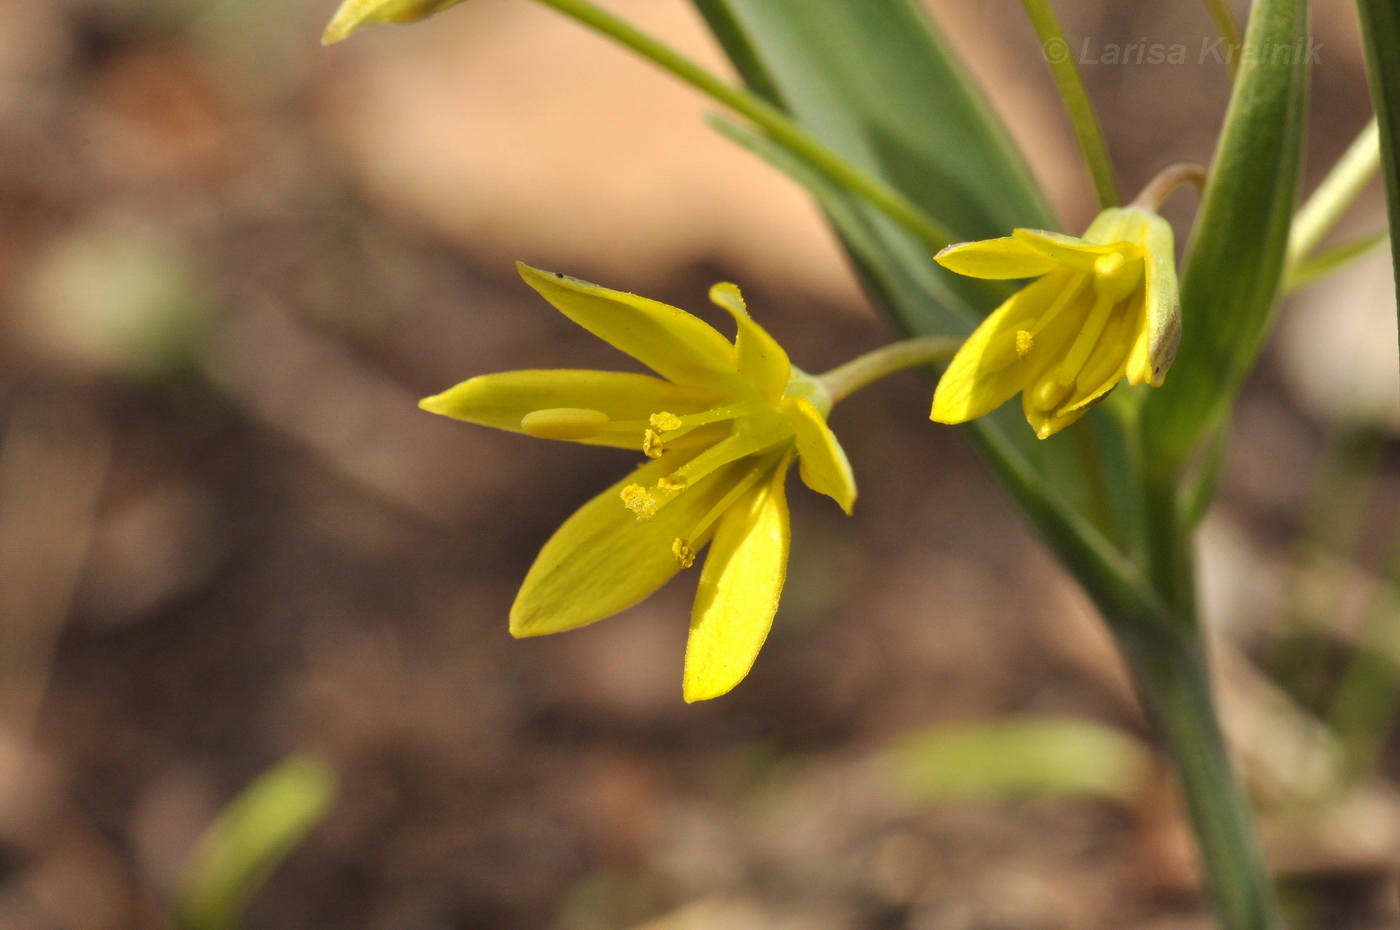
(1104, 308)
(721, 426)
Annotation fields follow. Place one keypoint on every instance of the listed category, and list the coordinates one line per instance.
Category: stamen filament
(1068, 295)
(764, 466)
(1086, 340)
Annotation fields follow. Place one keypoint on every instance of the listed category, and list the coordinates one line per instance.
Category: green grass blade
(1235, 267)
(878, 83)
(1329, 260)
(1021, 756)
(1056, 52)
(1380, 28)
(250, 838)
(1337, 192)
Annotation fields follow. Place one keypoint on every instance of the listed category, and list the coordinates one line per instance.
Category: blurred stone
(149, 550)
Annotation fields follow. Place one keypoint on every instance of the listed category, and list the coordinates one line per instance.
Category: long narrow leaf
(1235, 267)
(877, 82)
(1380, 27)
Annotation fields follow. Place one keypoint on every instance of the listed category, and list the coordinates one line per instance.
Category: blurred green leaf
(1235, 266)
(1380, 28)
(1056, 756)
(877, 83)
(250, 838)
(119, 294)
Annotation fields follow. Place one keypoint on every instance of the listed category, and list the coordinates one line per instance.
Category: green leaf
(1235, 266)
(250, 838)
(1380, 28)
(1020, 756)
(877, 82)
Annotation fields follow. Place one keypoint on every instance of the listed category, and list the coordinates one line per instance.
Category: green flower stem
(1229, 31)
(1170, 668)
(844, 380)
(1157, 190)
(1076, 99)
(1172, 678)
(896, 205)
(1325, 262)
(1338, 191)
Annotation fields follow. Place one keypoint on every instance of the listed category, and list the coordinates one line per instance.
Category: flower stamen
(637, 499)
(564, 423)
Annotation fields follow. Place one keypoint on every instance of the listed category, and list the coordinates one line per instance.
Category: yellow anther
(1046, 395)
(1108, 265)
(664, 422)
(673, 484)
(1024, 342)
(636, 499)
(1115, 275)
(651, 444)
(684, 554)
(564, 423)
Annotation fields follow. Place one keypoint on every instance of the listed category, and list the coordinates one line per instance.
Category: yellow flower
(354, 15)
(1104, 308)
(721, 427)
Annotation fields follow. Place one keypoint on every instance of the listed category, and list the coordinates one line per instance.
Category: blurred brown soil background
(231, 261)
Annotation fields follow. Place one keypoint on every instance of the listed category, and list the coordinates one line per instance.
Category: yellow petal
(1156, 346)
(602, 560)
(504, 400)
(822, 462)
(1048, 424)
(673, 343)
(739, 590)
(762, 362)
(999, 259)
(977, 382)
(354, 15)
(1069, 251)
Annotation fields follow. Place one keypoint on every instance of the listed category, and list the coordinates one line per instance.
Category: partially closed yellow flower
(1104, 308)
(353, 15)
(721, 426)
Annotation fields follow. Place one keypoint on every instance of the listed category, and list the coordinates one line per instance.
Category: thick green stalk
(1060, 57)
(1172, 678)
(762, 113)
(1170, 667)
(1380, 31)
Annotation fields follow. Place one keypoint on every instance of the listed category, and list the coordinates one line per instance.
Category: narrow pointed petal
(603, 560)
(504, 400)
(354, 15)
(739, 590)
(999, 259)
(973, 385)
(822, 462)
(762, 361)
(1069, 251)
(1156, 347)
(673, 343)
